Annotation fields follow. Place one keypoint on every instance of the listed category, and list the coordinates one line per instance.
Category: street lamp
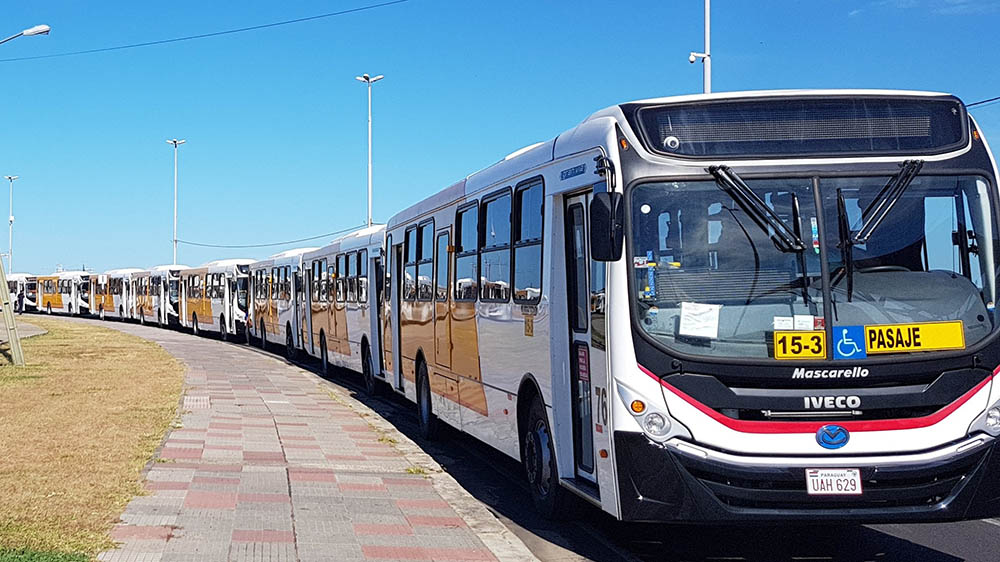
(706, 57)
(369, 80)
(176, 143)
(10, 232)
(37, 30)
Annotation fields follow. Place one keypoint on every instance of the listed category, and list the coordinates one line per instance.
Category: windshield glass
(710, 281)
(241, 292)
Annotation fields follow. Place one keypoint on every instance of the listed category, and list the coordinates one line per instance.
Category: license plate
(833, 481)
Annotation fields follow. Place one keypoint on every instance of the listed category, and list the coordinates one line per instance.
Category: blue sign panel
(849, 342)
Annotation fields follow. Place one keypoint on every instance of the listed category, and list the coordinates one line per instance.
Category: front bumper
(663, 483)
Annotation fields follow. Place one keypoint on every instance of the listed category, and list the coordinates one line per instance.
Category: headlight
(993, 418)
(658, 425)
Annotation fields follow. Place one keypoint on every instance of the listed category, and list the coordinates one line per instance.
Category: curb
(500, 540)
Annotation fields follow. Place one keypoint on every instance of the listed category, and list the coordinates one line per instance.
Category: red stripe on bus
(811, 427)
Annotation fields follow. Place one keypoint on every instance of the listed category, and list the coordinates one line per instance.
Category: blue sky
(275, 121)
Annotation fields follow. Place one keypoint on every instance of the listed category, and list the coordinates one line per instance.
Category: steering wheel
(883, 268)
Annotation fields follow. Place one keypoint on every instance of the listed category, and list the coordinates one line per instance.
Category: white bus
(340, 323)
(214, 297)
(65, 292)
(162, 301)
(28, 283)
(757, 306)
(276, 284)
(112, 293)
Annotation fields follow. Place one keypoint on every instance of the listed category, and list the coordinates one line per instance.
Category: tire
(247, 334)
(324, 357)
(427, 421)
(142, 317)
(223, 334)
(121, 314)
(102, 313)
(48, 308)
(263, 336)
(371, 385)
(290, 351)
(194, 325)
(539, 460)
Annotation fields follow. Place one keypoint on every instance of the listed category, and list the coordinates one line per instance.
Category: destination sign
(925, 336)
(806, 344)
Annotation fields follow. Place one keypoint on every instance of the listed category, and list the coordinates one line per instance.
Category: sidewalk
(270, 462)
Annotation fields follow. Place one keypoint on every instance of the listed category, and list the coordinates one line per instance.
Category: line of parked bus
(699, 308)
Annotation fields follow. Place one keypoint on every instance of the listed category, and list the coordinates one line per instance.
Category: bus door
(442, 318)
(397, 278)
(377, 282)
(578, 307)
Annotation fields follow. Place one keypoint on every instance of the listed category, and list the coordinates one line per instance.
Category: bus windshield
(241, 292)
(708, 280)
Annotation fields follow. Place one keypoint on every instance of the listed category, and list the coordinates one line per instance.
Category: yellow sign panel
(925, 336)
(804, 344)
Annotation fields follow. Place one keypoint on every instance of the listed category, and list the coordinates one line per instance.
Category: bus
(340, 321)
(28, 283)
(66, 292)
(276, 285)
(111, 293)
(754, 306)
(163, 298)
(214, 297)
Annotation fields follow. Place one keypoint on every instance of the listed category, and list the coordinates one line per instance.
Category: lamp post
(10, 231)
(369, 80)
(31, 31)
(176, 143)
(706, 56)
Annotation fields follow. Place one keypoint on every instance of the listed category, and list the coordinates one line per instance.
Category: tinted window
(496, 222)
(467, 230)
(529, 213)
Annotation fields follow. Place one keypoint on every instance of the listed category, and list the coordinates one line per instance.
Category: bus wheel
(223, 335)
(247, 334)
(289, 344)
(371, 385)
(142, 317)
(102, 313)
(194, 325)
(48, 308)
(263, 336)
(425, 411)
(324, 359)
(539, 458)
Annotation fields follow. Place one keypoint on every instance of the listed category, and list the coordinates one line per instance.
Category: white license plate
(833, 481)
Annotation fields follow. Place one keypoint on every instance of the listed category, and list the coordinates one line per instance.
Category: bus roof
(366, 237)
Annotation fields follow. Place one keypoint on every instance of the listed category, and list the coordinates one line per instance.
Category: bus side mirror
(607, 226)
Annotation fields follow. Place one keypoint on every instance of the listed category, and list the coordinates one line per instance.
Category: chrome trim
(947, 451)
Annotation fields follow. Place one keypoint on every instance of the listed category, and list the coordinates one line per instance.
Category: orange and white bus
(111, 293)
(340, 315)
(276, 286)
(160, 302)
(28, 283)
(214, 297)
(66, 292)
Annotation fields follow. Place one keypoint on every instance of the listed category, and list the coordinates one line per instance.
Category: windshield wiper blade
(846, 244)
(783, 237)
(882, 205)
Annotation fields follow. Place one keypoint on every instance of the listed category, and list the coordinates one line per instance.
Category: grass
(77, 426)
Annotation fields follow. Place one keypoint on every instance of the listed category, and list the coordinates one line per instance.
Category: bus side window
(410, 269)
(494, 242)
(442, 272)
(425, 262)
(467, 253)
(363, 276)
(528, 204)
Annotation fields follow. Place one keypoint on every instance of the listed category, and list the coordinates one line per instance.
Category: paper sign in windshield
(925, 336)
(699, 320)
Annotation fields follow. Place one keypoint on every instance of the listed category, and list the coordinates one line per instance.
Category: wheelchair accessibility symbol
(849, 342)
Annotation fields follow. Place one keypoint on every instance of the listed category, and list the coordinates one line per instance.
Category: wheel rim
(538, 458)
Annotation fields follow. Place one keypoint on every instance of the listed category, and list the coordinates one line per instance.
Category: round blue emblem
(832, 436)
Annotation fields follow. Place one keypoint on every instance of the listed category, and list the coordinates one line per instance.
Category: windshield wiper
(873, 215)
(879, 208)
(783, 237)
